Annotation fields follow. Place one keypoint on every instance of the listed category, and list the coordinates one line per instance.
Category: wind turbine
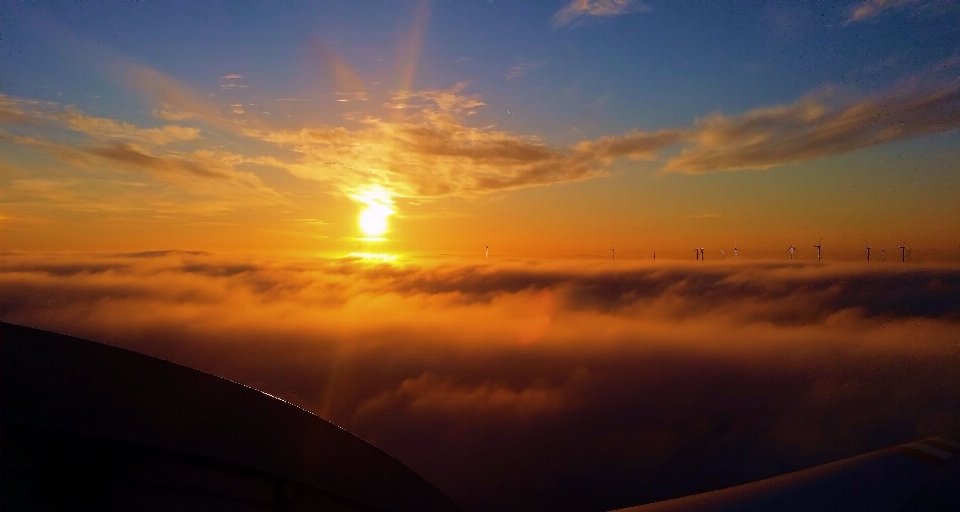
(696, 251)
(735, 250)
(866, 250)
(486, 251)
(703, 256)
(791, 250)
(818, 246)
(908, 254)
(723, 254)
(902, 247)
(882, 253)
(613, 255)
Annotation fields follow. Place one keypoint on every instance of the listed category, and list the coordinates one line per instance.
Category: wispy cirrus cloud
(817, 126)
(522, 68)
(872, 8)
(578, 9)
(450, 100)
(168, 114)
(112, 144)
(22, 111)
(106, 128)
(201, 165)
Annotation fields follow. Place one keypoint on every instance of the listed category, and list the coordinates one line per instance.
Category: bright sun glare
(373, 218)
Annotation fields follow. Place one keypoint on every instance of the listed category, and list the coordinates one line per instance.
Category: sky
(539, 129)
(300, 197)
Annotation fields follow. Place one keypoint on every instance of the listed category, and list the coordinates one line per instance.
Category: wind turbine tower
(791, 250)
(696, 252)
(902, 247)
(486, 251)
(613, 255)
(882, 253)
(703, 256)
(867, 250)
(818, 246)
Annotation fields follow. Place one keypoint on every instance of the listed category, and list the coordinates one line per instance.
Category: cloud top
(546, 374)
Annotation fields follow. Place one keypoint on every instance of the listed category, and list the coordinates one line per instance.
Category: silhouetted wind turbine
(723, 254)
(703, 256)
(696, 251)
(866, 250)
(613, 255)
(791, 250)
(486, 251)
(902, 247)
(882, 253)
(818, 246)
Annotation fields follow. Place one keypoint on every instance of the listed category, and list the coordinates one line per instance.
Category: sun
(373, 218)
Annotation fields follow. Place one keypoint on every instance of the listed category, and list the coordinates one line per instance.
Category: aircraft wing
(87, 426)
(914, 477)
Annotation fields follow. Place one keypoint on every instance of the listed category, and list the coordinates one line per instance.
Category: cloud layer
(539, 385)
(426, 148)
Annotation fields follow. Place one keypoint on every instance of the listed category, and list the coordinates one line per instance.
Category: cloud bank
(543, 385)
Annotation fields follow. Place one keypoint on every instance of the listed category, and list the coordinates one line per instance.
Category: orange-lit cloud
(522, 67)
(104, 128)
(637, 368)
(201, 164)
(870, 8)
(603, 8)
(20, 111)
(817, 127)
(430, 152)
(124, 146)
